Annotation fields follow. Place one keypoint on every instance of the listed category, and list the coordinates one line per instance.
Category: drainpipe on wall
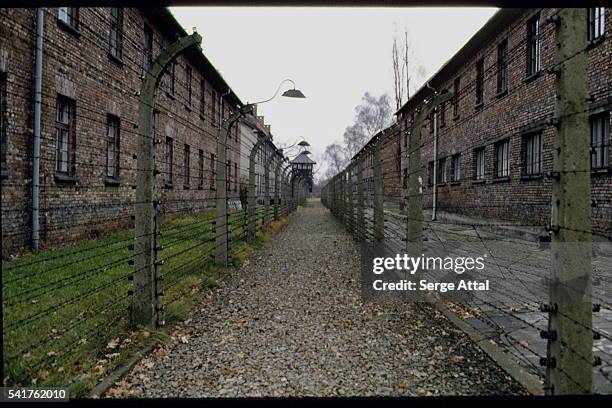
(40, 20)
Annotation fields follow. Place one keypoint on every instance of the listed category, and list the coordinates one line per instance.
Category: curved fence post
(144, 307)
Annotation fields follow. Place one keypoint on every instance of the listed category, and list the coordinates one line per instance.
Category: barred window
(115, 40)
(600, 141)
(200, 168)
(502, 164)
(68, 16)
(502, 66)
(480, 81)
(456, 86)
(533, 154)
(442, 170)
(112, 147)
(168, 160)
(203, 97)
(188, 79)
(455, 167)
(596, 22)
(213, 108)
(65, 136)
(479, 163)
(533, 45)
(147, 49)
(186, 164)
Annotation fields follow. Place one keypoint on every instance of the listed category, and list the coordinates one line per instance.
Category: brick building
(495, 137)
(93, 60)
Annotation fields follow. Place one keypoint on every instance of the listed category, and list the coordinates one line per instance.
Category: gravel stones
(291, 323)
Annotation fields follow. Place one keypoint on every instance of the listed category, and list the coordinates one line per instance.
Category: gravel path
(291, 323)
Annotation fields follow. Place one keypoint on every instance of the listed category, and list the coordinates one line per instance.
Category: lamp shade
(293, 93)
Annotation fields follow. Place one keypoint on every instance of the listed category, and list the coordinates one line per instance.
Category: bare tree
(336, 158)
(405, 68)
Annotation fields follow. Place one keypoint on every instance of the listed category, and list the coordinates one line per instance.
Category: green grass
(64, 307)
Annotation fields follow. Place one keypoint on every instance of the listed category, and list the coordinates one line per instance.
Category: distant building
(302, 165)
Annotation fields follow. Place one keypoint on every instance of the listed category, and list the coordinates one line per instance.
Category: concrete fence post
(378, 199)
(145, 305)
(569, 357)
(277, 184)
(251, 197)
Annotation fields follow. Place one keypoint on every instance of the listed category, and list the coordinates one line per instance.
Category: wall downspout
(40, 20)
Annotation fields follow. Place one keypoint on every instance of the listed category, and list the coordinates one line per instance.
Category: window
(200, 168)
(188, 75)
(3, 119)
(203, 97)
(65, 130)
(502, 165)
(502, 66)
(168, 160)
(479, 163)
(441, 171)
(533, 154)
(115, 39)
(480, 82)
(533, 45)
(443, 114)
(147, 49)
(213, 173)
(455, 167)
(456, 86)
(186, 159)
(596, 17)
(213, 108)
(112, 147)
(68, 16)
(405, 179)
(600, 141)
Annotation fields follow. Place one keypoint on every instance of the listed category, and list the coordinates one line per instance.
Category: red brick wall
(77, 65)
(526, 106)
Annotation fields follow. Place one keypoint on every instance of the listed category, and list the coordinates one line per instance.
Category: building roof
(495, 25)
(302, 158)
(167, 24)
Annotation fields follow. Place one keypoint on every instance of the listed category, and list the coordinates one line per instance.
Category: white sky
(334, 55)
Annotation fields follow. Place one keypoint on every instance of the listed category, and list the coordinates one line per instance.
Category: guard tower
(302, 166)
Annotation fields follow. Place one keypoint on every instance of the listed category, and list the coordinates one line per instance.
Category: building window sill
(601, 171)
(531, 77)
(115, 59)
(186, 187)
(480, 181)
(501, 179)
(200, 187)
(168, 185)
(456, 117)
(202, 117)
(170, 95)
(111, 181)
(455, 183)
(479, 105)
(68, 28)
(502, 93)
(188, 108)
(527, 177)
(442, 184)
(596, 41)
(65, 178)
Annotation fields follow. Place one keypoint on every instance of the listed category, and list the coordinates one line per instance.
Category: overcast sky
(334, 55)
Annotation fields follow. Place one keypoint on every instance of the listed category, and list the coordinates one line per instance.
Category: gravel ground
(291, 323)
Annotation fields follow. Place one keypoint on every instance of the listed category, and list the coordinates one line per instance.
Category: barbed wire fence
(64, 305)
(552, 313)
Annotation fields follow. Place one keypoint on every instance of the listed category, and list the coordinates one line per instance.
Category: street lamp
(221, 191)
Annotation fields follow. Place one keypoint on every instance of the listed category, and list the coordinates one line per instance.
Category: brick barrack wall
(77, 65)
